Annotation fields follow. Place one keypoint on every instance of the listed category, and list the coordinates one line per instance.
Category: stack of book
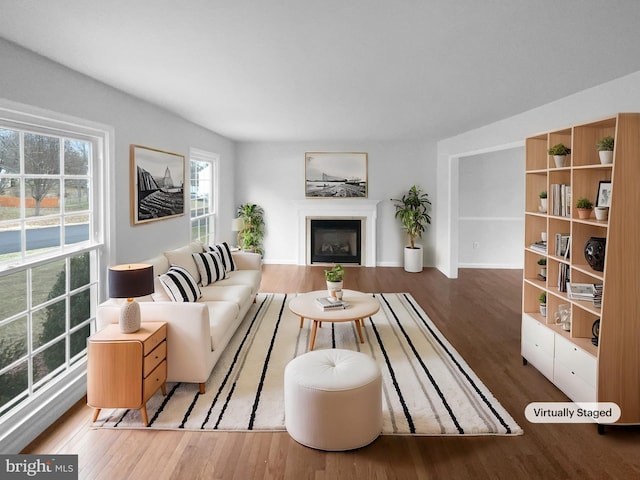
(597, 295)
(540, 247)
(580, 291)
(331, 303)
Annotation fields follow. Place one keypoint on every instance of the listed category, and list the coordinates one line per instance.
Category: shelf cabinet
(608, 371)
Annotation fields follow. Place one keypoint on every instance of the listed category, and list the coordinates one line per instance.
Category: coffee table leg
(358, 321)
(312, 340)
(301, 321)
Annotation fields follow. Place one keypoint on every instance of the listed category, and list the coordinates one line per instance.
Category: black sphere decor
(594, 253)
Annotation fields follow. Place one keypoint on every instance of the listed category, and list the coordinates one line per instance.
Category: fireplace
(336, 241)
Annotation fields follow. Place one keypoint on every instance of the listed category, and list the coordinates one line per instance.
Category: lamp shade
(130, 280)
(237, 224)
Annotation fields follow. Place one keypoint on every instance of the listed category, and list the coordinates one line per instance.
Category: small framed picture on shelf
(603, 198)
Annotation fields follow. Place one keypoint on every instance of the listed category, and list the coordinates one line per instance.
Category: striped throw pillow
(225, 253)
(210, 266)
(180, 285)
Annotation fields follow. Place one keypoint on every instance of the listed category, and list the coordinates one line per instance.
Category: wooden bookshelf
(610, 371)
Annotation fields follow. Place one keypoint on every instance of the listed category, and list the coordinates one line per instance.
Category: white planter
(413, 259)
(543, 309)
(333, 287)
(602, 213)
(544, 204)
(606, 156)
(559, 159)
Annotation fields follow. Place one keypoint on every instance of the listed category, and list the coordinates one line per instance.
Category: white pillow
(225, 253)
(210, 266)
(182, 256)
(180, 285)
(159, 294)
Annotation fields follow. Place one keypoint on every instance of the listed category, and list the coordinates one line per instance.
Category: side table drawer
(153, 382)
(154, 340)
(152, 360)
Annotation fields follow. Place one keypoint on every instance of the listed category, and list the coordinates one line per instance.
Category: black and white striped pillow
(180, 285)
(210, 266)
(225, 253)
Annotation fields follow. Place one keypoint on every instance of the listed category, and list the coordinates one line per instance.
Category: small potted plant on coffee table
(335, 279)
(585, 207)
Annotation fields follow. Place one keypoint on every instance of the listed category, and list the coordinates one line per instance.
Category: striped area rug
(428, 389)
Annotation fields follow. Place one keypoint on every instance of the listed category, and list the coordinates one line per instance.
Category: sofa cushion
(222, 320)
(182, 257)
(180, 285)
(225, 252)
(210, 266)
(250, 278)
(159, 293)
(238, 294)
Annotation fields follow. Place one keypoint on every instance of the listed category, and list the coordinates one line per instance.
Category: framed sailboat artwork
(157, 184)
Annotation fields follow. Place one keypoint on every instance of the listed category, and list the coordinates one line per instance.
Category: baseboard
(497, 266)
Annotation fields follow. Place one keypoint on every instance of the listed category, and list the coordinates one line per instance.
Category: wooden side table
(125, 369)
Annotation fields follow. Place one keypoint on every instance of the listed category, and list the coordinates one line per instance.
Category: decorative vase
(413, 259)
(606, 156)
(543, 205)
(594, 251)
(602, 213)
(559, 159)
(543, 309)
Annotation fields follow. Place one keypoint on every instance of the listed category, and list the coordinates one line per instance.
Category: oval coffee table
(361, 305)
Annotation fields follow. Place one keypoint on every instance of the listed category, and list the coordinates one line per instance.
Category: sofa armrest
(189, 354)
(247, 260)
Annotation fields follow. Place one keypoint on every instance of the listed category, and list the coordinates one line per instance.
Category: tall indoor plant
(412, 210)
(252, 232)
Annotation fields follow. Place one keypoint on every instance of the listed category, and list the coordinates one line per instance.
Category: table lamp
(237, 225)
(129, 281)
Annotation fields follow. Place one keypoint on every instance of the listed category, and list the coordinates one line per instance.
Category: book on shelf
(331, 303)
(581, 291)
(539, 246)
(597, 295)
(560, 200)
(562, 245)
(563, 277)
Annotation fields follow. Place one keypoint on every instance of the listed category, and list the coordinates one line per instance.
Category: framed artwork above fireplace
(335, 174)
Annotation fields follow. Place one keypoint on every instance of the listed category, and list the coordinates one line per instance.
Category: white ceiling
(290, 70)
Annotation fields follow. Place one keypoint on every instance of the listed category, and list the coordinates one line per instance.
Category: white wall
(620, 95)
(272, 175)
(491, 206)
(31, 79)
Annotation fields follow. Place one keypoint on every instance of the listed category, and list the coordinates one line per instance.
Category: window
(51, 231)
(203, 195)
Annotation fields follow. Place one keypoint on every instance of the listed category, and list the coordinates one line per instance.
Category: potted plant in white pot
(543, 266)
(542, 299)
(605, 149)
(335, 279)
(412, 210)
(559, 153)
(543, 201)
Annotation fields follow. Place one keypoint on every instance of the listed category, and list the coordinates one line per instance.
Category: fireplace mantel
(338, 208)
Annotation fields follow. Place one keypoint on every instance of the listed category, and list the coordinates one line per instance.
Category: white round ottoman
(333, 399)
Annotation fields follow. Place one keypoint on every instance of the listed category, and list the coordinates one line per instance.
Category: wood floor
(479, 315)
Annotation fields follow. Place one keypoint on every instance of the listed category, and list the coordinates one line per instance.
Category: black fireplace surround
(336, 241)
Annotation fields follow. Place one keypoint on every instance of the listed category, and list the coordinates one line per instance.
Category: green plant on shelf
(543, 194)
(542, 261)
(584, 203)
(605, 144)
(542, 298)
(559, 149)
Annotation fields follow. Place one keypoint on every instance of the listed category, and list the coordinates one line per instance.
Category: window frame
(54, 393)
(214, 159)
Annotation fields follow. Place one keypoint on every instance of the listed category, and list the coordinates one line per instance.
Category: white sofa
(197, 332)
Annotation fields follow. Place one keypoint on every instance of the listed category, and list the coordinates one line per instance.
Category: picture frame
(603, 199)
(157, 184)
(336, 174)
